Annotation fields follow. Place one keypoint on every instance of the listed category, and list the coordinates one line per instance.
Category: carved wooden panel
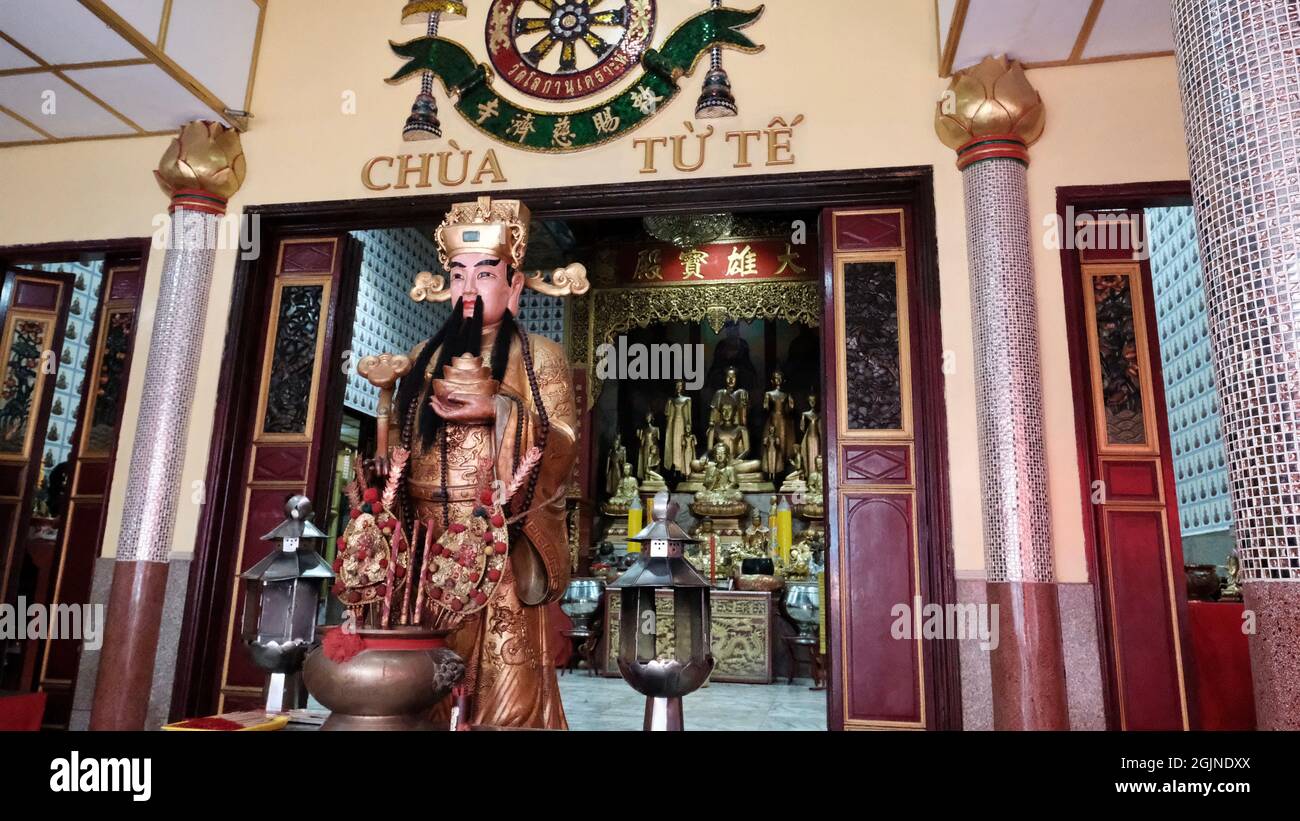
(1131, 480)
(868, 231)
(876, 464)
(286, 448)
(879, 572)
(1148, 659)
(1120, 401)
(878, 680)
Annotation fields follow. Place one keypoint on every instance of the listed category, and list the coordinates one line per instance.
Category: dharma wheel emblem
(567, 49)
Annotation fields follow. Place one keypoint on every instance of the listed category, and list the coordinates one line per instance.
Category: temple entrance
(1152, 466)
(68, 318)
(714, 341)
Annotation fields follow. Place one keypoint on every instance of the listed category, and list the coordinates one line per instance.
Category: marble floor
(599, 703)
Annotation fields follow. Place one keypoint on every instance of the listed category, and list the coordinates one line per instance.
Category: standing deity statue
(779, 405)
(648, 456)
(737, 398)
(810, 424)
(678, 426)
(614, 466)
(483, 393)
(772, 460)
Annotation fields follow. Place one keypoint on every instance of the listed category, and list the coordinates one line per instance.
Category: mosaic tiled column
(990, 115)
(201, 170)
(1239, 74)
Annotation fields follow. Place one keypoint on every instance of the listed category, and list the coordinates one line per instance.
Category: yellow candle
(633, 525)
(784, 529)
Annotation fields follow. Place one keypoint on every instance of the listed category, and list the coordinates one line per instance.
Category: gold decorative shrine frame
(606, 313)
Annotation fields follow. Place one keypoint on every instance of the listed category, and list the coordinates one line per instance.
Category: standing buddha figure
(678, 426)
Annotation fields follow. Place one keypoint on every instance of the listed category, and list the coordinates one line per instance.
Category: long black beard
(457, 336)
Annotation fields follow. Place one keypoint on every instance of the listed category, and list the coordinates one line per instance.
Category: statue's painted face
(475, 275)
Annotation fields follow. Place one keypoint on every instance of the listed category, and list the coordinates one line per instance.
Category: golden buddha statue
(648, 455)
(730, 432)
(758, 538)
(482, 393)
(737, 398)
(628, 490)
(735, 439)
(614, 465)
(779, 428)
(678, 452)
(810, 425)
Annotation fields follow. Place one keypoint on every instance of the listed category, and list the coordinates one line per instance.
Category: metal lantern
(662, 678)
(423, 123)
(281, 599)
(716, 99)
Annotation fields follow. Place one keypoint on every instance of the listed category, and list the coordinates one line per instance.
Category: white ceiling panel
(62, 31)
(1131, 27)
(11, 57)
(1032, 31)
(12, 131)
(214, 42)
(146, 94)
(145, 16)
(68, 113)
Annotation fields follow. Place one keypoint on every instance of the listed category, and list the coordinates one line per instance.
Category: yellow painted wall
(862, 72)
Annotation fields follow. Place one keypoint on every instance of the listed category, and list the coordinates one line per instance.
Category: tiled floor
(598, 703)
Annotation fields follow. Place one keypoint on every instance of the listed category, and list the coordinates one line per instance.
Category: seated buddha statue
(730, 432)
(627, 492)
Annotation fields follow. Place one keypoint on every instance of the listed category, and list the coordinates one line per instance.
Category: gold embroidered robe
(507, 646)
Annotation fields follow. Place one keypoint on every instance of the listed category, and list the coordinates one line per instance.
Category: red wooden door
(1129, 482)
(91, 475)
(289, 445)
(33, 313)
(876, 556)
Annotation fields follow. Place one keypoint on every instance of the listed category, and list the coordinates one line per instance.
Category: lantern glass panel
(277, 611)
(252, 609)
(688, 623)
(306, 601)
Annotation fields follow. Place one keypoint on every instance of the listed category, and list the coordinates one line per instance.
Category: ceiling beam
(33, 126)
(151, 51)
(10, 72)
(1085, 30)
(955, 27)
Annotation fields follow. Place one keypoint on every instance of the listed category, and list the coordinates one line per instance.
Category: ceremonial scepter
(383, 371)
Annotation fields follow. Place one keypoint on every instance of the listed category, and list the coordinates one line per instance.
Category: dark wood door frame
(125, 252)
(200, 645)
(1094, 199)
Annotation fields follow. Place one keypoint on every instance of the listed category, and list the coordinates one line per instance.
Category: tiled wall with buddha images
(1191, 398)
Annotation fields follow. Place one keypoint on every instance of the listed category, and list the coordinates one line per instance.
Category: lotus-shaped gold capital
(205, 156)
(992, 99)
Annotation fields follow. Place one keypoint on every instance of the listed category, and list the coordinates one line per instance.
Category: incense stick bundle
(424, 557)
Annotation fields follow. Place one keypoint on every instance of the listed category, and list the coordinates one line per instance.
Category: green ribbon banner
(560, 132)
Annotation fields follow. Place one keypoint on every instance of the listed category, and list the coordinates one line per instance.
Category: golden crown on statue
(498, 227)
